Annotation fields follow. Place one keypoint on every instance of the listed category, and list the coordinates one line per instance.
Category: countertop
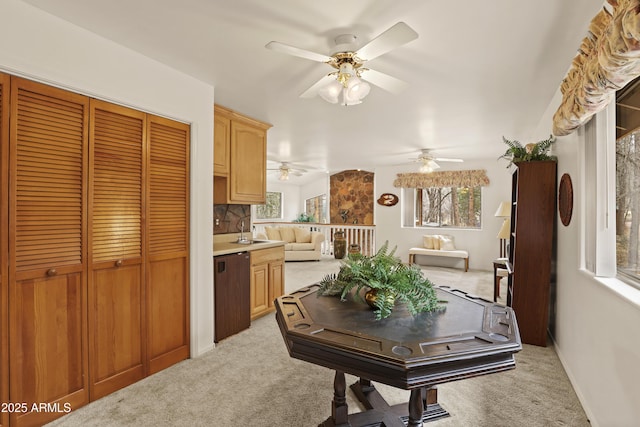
(229, 247)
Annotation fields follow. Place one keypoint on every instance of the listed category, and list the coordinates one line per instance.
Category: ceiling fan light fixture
(346, 73)
(284, 174)
(331, 92)
(428, 166)
(356, 89)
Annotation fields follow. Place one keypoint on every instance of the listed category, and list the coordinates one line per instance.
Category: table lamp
(504, 211)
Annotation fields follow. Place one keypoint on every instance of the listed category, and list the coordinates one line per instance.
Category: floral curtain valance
(466, 178)
(608, 59)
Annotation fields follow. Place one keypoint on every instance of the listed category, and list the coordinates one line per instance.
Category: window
(272, 209)
(628, 180)
(448, 207)
(316, 207)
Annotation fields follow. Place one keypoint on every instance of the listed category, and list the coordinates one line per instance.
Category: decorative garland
(466, 178)
(608, 59)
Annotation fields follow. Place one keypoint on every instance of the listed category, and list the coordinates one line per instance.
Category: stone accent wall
(351, 197)
(230, 217)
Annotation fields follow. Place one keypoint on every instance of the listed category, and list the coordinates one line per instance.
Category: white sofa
(300, 243)
(440, 246)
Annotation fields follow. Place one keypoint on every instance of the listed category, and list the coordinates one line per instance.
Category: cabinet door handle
(119, 263)
(51, 272)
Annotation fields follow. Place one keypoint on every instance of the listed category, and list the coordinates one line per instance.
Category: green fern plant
(393, 282)
(516, 152)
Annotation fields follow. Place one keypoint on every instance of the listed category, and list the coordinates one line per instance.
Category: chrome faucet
(241, 239)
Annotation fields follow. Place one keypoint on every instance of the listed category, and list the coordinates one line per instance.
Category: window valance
(608, 59)
(465, 178)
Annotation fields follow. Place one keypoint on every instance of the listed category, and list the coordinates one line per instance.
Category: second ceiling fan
(428, 161)
(350, 79)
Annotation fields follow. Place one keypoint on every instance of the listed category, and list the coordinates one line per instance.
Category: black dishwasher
(231, 294)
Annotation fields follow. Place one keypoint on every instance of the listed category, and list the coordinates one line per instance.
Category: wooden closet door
(5, 87)
(116, 252)
(167, 281)
(47, 249)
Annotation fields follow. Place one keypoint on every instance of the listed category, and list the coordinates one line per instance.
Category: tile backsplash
(228, 218)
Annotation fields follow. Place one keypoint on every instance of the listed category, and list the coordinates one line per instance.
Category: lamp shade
(504, 210)
(504, 230)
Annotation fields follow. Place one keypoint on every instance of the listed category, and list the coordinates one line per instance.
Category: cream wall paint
(482, 244)
(39, 46)
(596, 322)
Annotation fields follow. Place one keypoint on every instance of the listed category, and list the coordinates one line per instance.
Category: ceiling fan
(285, 169)
(428, 161)
(350, 79)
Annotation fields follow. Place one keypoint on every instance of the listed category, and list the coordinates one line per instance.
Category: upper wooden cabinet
(221, 145)
(240, 143)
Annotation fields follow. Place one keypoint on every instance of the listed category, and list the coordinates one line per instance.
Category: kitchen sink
(250, 242)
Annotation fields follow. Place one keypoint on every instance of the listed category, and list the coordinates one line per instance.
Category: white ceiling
(478, 70)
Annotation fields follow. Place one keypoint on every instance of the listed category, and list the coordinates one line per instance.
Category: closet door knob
(118, 263)
(51, 272)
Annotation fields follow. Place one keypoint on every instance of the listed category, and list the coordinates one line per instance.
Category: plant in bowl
(538, 151)
(385, 281)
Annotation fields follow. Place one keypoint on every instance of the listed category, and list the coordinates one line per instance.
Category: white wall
(39, 46)
(597, 322)
(317, 187)
(482, 244)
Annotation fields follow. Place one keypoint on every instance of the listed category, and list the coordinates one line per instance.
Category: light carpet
(249, 379)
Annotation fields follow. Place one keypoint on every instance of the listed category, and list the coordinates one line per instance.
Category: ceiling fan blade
(385, 81)
(313, 90)
(296, 51)
(444, 159)
(394, 37)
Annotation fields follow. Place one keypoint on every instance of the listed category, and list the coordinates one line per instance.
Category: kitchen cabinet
(245, 144)
(221, 143)
(531, 253)
(231, 294)
(267, 279)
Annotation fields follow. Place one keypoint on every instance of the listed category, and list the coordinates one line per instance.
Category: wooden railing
(363, 235)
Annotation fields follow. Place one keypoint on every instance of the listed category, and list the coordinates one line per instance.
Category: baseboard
(574, 384)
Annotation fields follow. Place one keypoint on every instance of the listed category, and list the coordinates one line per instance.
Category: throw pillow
(272, 233)
(436, 241)
(302, 235)
(446, 243)
(427, 241)
(287, 234)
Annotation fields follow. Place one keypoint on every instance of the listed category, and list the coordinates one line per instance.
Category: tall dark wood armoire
(531, 253)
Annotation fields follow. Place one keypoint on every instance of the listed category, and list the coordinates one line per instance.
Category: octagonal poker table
(469, 337)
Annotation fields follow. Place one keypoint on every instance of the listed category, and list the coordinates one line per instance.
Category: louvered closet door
(5, 87)
(168, 243)
(47, 240)
(116, 279)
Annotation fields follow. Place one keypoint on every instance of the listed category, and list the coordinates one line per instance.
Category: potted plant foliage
(385, 281)
(516, 152)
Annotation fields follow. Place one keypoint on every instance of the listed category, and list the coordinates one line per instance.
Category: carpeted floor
(249, 379)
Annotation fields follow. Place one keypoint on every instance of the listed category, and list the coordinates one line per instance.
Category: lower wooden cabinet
(267, 279)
